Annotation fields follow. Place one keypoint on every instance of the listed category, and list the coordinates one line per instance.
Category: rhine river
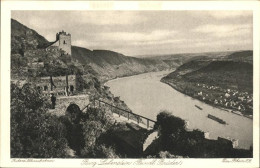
(146, 95)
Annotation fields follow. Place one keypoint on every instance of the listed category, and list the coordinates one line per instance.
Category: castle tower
(64, 41)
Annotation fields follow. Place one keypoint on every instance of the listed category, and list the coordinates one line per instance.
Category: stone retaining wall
(64, 101)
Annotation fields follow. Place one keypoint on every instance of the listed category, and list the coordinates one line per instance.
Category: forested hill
(234, 71)
(24, 38)
(225, 81)
(103, 63)
(110, 64)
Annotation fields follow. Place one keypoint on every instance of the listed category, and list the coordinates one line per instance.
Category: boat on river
(216, 119)
(198, 107)
(159, 96)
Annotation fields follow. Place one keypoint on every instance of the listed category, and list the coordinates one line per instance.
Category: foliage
(84, 130)
(23, 38)
(166, 154)
(169, 124)
(97, 84)
(34, 132)
(98, 122)
(101, 151)
(174, 139)
(19, 65)
(80, 83)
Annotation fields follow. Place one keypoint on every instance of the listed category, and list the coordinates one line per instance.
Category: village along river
(147, 96)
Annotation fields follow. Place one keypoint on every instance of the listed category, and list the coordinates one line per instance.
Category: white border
(6, 8)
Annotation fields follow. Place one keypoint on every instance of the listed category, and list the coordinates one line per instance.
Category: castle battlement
(62, 33)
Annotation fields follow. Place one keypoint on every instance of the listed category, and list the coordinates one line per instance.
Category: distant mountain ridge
(106, 64)
(236, 66)
(225, 81)
(103, 63)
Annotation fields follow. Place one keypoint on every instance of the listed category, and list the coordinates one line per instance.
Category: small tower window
(64, 42)
(45, 88)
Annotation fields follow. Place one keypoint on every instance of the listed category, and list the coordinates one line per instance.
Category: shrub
(34, 132)
(166, 154)
(97, 123)
(101, 151)
(83, 130)
(97, 84)
(169, 124)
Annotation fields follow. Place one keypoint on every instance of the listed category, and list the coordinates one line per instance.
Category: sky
(135, 33)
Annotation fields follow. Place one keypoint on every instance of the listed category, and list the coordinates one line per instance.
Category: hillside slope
(109, 64)
(103, 63)
(182, 58)
(24, 38)
(226, 81)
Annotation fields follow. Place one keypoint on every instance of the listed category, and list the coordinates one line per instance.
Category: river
(146, 95)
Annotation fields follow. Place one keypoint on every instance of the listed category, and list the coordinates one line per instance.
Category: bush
(74, 133)
(169, 124)
(84, 129)
(34, 132)
(97, 123)
(80, 83)
(176, 141)
(166, 154)
(102, 151)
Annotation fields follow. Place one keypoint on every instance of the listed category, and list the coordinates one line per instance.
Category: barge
(216, 119)
(198, 107)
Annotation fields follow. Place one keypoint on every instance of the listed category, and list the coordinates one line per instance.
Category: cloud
(159, 42)
(130, 39)
(109, 17)
(46, 23)
(230, 14)
(221, 43)
(139, 36)
(227, 30)
(145, 32)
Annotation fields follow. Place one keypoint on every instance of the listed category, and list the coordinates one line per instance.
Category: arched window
(64, 42)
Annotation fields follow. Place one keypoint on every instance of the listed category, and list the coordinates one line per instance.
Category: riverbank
(104, 81)
(159, 97)
(174, 86)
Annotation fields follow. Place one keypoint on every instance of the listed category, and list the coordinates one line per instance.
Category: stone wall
(42, 54)
(59, 82)
(64, 101)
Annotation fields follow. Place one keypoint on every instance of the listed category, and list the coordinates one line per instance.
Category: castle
(63, 42)
(56, 49)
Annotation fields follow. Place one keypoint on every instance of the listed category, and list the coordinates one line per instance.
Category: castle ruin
(63, 42)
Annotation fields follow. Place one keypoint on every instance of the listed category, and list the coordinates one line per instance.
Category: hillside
(187, 57)
(226, 81)
(28, 46)
(227, 74)
(24, 38)
(109, 64)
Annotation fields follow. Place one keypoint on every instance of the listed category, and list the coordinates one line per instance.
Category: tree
(97, 84)
(171, 129)
(73, 122)
(169, 124)
(34, 132)
(101, 151)
(84, 129)
(80, 83)
(97, 123)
